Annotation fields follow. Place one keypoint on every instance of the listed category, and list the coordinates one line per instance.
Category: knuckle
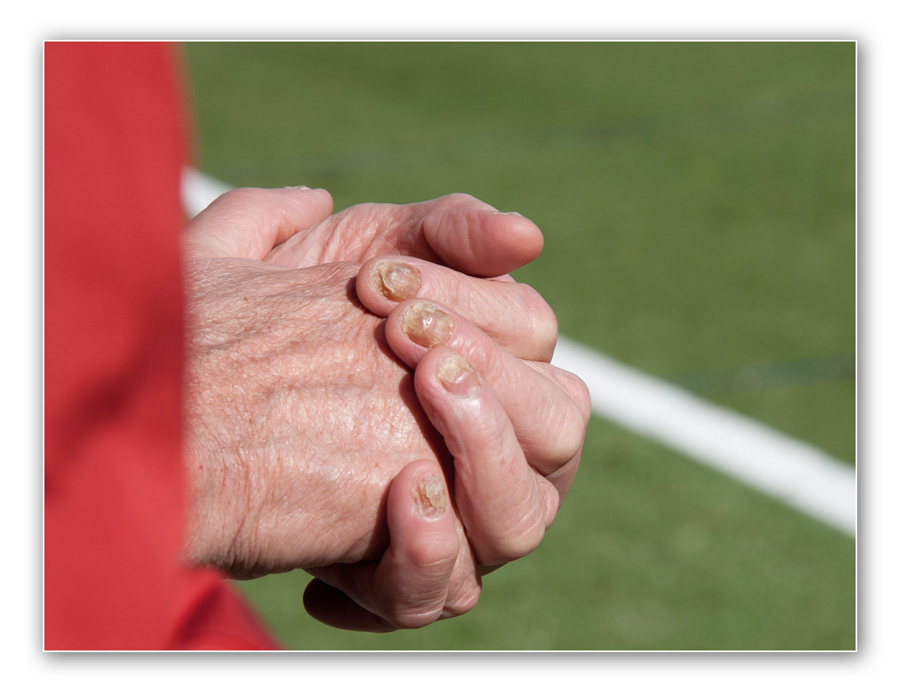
(552, 500)
(517, 543)
(432, 562)
(562, 438)
(457, 198)
(576, 389)
(461, 603)
(543, 325)
(581, 395)
(265, 206)
(464, 588)
(241, 196)
(571, 437)
(431, 558)
(516, 547)
(245, 202)
(488, 358)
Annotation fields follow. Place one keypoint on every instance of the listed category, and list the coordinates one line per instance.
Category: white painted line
(198, 190)
(792, 471)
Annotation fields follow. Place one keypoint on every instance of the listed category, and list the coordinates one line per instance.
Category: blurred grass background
(698, 206)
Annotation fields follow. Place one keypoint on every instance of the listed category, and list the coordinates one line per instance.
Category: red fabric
(115, 143)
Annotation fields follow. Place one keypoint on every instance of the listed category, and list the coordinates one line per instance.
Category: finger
(457, 230)
(513, 314)
(248, 222)
(475, 238)
(409, 586)
(505, 506)
(548, 410)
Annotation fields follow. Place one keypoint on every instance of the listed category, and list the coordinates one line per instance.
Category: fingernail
(458, 377)
(397, 281)
(427, 325)
(296, 187)
(430, 496)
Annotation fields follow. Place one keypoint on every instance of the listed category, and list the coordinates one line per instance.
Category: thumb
(408, 587)
(247, 223)
(457, 230)
(472, 237)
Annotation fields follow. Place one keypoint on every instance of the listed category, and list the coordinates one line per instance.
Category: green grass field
(698, 206)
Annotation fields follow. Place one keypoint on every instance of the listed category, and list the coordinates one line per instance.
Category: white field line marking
(198, 190)
(792, 471)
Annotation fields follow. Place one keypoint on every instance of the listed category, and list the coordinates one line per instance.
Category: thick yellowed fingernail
(427, 325)
(430, 496)
(397, 281)
(458, 377)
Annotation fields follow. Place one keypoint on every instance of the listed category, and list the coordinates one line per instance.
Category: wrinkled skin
(294, 352)
(310, 416)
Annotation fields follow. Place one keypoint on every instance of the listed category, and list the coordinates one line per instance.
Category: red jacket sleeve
(115, 145)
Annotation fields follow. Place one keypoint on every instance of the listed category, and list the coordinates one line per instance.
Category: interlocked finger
(513, 314)
(457, 230)
(504, 504)
(545, 411)
(408, 587)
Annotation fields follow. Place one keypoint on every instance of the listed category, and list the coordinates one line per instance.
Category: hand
(505, 505)
(262, 333)
(506, 331)
(460, 231)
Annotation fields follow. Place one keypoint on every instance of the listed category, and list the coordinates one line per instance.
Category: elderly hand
(307, 440)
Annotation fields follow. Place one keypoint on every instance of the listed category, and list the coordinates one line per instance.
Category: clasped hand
(370, 399)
